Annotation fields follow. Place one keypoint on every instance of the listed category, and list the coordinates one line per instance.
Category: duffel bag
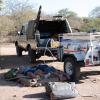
(61, 90)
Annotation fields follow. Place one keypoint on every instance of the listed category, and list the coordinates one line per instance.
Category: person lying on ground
(44, 71)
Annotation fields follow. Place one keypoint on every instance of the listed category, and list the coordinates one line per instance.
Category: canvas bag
(62, 89)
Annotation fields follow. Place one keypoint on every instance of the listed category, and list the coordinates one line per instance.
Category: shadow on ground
(40, 96)
(4, 82)
(10, 61)
(86, 74)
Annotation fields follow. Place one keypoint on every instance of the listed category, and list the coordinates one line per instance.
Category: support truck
(48, 36)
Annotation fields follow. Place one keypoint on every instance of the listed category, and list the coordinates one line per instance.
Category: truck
(48, 36)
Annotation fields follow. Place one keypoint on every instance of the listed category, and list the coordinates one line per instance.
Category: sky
(81, 7)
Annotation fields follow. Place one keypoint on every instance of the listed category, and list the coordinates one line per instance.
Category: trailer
(92, 56)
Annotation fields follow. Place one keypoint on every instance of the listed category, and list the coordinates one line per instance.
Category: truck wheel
(72, 69)
(31, 54)
(18, 51)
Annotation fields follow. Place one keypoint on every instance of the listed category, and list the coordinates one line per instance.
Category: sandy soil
(88, 87)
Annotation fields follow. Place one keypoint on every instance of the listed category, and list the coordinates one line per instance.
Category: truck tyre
(31, 54)
(18, 51)
(72, 69)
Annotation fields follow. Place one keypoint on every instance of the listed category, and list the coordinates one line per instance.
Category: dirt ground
(88, 86)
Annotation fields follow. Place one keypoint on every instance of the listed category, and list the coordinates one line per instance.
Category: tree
(75, 23)
(20, 11)
(15, 6)
(0, 4)
(0, 1)
(95, 12)
(90, 24)
(74, 20)
(17, 12)
(66, 13)
(6, 25)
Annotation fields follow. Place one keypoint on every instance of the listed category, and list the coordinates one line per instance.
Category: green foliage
(95, 12)
(72, 17)
(12, 23)
(0, 1)
(6, 25)
(23, 17)
(75, 22)
(83, 24)
(67, 13)
(0, 4)
(18, 12)
(89, 24)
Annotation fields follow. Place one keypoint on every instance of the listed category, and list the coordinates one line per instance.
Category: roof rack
(58, 17)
